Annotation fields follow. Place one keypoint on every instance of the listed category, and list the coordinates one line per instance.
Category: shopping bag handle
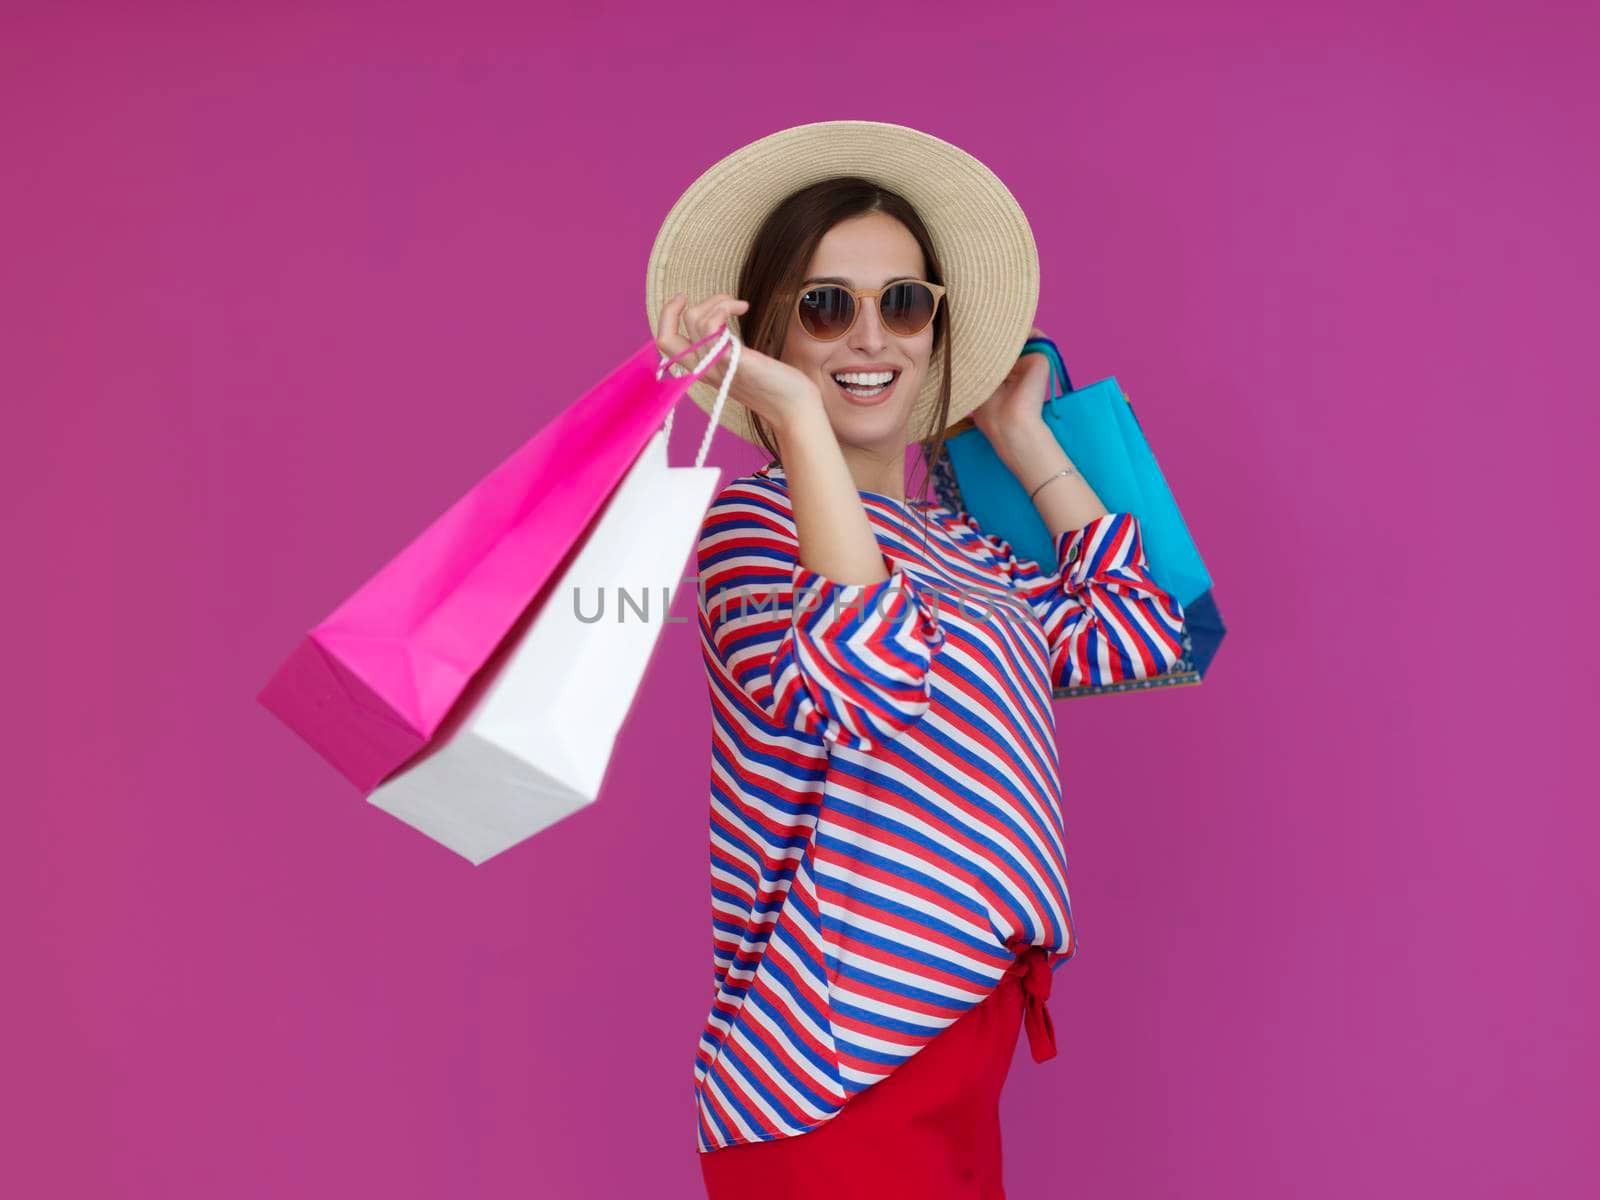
(1058, 368)
(725, 339)
(668, 360)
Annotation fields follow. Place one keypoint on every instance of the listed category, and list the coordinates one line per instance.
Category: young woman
(888, 866)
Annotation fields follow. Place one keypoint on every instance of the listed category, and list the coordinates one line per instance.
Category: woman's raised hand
(768, 387)
(1015, 410)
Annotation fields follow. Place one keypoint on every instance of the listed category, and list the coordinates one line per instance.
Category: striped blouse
(886, 832)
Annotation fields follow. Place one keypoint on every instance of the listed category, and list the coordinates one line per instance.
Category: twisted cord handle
(727, 339)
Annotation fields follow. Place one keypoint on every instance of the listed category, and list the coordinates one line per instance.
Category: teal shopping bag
(1100, 432)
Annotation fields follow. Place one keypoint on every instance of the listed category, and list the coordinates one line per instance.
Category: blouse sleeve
(1106, 618)
(843, 663)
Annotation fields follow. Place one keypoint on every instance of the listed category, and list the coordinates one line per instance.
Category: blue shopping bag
(1100, 432)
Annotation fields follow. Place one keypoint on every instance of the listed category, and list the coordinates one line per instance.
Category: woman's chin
(864, 427)
(868, 422)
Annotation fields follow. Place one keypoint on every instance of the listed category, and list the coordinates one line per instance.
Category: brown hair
(783, 246)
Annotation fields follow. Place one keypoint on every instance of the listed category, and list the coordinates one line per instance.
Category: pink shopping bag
(371, 684)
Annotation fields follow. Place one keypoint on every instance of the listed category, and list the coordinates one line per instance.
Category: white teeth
(865, 378)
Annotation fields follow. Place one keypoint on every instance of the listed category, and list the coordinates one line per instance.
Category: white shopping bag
(530, 739)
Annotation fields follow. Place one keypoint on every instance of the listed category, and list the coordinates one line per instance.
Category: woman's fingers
(698, 322)
(710, 314)
(668, 339)
(675, 345)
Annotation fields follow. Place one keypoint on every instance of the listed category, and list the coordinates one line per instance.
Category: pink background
(279, 285)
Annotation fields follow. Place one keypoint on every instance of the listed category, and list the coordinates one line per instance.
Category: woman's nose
(868, 333)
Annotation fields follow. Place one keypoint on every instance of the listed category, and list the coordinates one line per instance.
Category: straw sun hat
(991, 264)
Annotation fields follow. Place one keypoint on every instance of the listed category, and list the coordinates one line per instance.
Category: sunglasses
(828, 311)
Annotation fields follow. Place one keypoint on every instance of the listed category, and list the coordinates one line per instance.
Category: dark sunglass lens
(907, 308)
(826, 312)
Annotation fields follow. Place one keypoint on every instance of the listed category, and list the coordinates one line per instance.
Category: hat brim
(982, 237)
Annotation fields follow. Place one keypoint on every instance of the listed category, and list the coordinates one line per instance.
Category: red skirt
(931, 1129)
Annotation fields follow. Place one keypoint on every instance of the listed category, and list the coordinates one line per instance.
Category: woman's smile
(866, 388)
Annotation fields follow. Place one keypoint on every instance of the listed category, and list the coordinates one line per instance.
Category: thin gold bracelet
(1058, 474)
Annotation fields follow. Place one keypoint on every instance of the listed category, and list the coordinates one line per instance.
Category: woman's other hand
(1013, 415)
